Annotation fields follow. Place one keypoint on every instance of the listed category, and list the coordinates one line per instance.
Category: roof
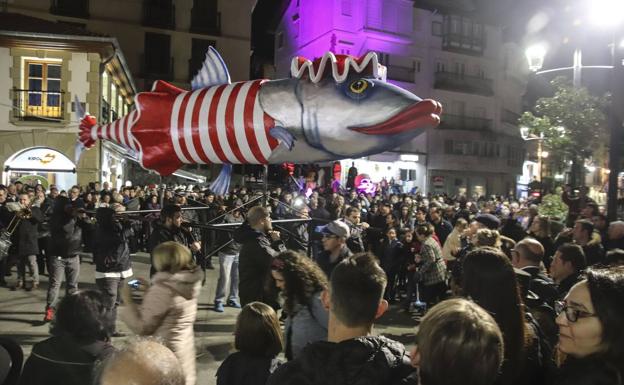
(18, 22)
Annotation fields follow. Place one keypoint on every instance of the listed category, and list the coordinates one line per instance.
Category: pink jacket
(168, 311)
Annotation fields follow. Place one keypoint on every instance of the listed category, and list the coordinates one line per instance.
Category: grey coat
(307, 325)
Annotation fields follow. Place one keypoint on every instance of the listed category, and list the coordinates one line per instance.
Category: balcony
(206, 23)
(458, 82)
(158, 15)
(460, 122)
(510, 117)
(71, 8)
(471, 45)
(38, 106)
(106, 112)
(153, 69)
(401, 74)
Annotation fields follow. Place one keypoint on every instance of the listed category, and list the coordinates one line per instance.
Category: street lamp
(604, 12)
(535, 55)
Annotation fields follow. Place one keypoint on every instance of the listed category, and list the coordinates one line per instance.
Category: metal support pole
(616, 118)
(576, 68)
(266, 184)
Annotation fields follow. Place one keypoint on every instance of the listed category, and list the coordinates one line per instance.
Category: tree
(572, 124)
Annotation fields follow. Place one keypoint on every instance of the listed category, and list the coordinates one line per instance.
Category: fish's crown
(340, 66)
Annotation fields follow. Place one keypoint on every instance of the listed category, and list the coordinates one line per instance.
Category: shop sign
(40, 158)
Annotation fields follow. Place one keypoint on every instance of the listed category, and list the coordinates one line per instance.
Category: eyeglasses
(571, 313)
(329, 236)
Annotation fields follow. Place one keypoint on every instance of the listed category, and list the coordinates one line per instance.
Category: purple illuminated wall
(348, 27)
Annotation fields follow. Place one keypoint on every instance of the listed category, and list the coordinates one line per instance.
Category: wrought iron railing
(464, 83)
(460, 122)
(37, 105)
(156, 69)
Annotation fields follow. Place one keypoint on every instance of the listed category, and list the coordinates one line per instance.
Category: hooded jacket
(169, 310)
(358, 361)
(254, 266)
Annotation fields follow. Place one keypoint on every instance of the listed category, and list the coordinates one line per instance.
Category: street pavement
(21, 315)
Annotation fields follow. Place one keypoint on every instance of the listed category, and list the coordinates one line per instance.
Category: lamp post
(535, 56)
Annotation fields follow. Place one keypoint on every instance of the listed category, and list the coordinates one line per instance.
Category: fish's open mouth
(425, 113)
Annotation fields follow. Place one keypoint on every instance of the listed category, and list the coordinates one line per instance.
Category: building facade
(48, 65)
(449, 54)
(162, 39)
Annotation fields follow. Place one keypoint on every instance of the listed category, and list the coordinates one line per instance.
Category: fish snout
(423, 114)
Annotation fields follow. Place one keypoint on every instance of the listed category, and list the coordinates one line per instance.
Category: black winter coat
(254, 266)
(112, 253)
(589, 371)
(66, 238)
(359, 361)
(25, 237)
(242, 369)
(63, 361)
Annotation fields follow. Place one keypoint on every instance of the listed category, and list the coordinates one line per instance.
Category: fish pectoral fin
(221, 185)
(283, 136)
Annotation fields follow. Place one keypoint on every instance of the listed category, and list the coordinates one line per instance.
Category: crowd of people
(506, 295)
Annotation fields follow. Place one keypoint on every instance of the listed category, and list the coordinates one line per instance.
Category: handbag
(5, 237)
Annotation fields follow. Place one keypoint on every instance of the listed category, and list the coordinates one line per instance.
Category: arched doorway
(46, 162)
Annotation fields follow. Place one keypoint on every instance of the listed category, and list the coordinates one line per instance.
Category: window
(71, 8)
(440, 66)
(346, 7)
(436, 28)
(280, 39)
(417, 65)
(157, 59)
(383, 58)
(43, 83)
(205, 17)
(462, 34)
(159, 14)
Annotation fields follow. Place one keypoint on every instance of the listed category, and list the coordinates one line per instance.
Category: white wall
(78, 85)
(6, 84)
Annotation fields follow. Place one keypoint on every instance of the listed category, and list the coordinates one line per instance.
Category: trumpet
(25, 213)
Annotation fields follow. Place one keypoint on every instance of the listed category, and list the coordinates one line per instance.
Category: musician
(170, 229)
(25, 242)
(357, 230)
(112, 256)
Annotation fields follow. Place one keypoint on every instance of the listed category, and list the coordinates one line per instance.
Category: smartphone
(134, 283)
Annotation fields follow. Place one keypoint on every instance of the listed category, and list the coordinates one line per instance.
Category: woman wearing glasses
(590, 321)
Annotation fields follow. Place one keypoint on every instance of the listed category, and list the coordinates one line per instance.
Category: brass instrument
(25, 213)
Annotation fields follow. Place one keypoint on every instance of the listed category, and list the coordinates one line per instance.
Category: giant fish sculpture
(333, 108)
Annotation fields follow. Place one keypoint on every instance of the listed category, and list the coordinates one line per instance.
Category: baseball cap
(337, 228)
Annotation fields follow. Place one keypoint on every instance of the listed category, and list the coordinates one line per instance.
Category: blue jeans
(228, 277)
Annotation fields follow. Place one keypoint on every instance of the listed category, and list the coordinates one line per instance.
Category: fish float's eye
(358, 86)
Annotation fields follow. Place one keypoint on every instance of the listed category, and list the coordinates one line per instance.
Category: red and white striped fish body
(171, 127)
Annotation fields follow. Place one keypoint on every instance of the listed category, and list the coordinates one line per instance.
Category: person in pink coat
(169, 306)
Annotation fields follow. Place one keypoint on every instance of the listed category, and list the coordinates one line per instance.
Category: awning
(39, 159)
